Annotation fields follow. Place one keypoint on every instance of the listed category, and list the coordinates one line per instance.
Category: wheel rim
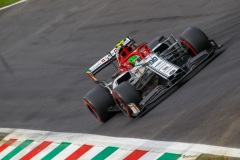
(189, 46)
(121, 105)
(92, 110)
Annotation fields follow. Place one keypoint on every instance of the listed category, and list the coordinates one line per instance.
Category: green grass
(212, 158)
(7, 2)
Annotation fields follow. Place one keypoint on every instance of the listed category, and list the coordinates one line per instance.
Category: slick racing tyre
(98, 100)
(124, 94)
(152, 44)
(155, 42)
(195, 40)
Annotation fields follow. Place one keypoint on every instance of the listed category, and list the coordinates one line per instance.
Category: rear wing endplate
(108, 59)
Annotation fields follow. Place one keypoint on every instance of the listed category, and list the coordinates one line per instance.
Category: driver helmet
(132, 60)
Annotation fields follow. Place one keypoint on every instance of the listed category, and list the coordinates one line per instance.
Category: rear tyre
(195, 40)
(98, 100)
(124, 94)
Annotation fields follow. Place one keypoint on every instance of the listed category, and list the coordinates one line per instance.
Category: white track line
(12, 4)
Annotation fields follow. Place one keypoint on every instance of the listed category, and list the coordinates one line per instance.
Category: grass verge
(4, 3)
(213, 157)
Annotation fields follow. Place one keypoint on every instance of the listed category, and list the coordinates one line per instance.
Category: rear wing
(108, 59)
(101, 64)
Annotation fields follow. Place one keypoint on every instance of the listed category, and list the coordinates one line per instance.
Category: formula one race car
(146, 72)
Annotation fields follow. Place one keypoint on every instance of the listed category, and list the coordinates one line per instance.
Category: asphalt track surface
(46, 46)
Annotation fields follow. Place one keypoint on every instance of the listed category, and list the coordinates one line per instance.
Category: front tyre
(98, 100)
(125, 94)
(195, 40)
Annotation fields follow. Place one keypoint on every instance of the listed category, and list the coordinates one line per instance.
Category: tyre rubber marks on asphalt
(105, 153)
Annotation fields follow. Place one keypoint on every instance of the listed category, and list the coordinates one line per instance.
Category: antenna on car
(112, 60)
